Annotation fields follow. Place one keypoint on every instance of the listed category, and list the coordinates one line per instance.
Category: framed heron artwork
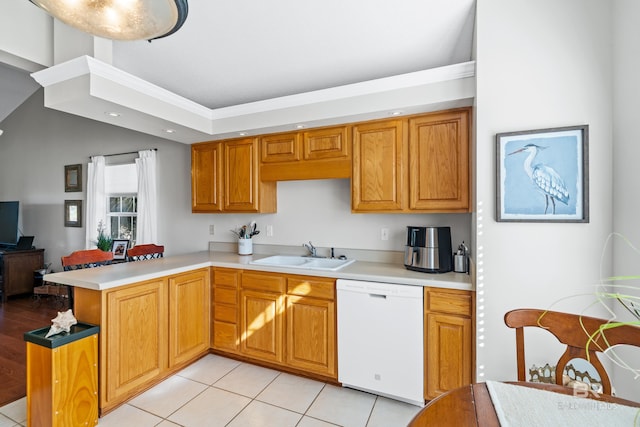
(543, 175)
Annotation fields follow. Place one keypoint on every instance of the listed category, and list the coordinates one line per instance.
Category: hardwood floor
(19, 315)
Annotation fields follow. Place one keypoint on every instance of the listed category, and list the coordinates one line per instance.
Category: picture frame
(73, 213)
(73, 178)
(119, 249)
(543, 175)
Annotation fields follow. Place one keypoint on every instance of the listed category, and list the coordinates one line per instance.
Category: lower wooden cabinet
(448, 340)
(311, 335)
(261, 325)
(281, 319)
(189, 312)
(135, 339)
(261, 315)
(148, 330)
(225, 333)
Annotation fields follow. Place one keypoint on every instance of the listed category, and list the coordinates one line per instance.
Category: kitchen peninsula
(158, 316)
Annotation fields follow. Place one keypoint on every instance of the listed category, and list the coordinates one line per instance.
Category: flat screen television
(9, 223)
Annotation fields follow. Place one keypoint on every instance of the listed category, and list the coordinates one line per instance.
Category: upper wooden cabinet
(206, 177)
(326, 143)
(313, 154)
(414, 164)
(282, 147)
(378, 166)
(225, 178)
(439, 162)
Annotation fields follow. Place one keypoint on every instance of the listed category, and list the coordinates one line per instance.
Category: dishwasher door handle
(378, 296)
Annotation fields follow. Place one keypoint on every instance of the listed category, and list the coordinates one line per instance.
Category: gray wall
(626, 153)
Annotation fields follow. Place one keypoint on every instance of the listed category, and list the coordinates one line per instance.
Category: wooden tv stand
(17, 271)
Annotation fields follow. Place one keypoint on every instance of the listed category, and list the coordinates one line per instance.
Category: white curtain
(147, 229)
(96, 201)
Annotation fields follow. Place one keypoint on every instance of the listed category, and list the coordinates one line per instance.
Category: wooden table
(472, 406)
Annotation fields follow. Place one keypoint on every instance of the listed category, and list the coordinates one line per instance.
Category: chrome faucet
(311, 249)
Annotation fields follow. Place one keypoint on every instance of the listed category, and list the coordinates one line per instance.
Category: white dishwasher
(380, 339)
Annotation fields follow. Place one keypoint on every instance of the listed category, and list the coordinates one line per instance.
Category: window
(123, 216)
(121, 188)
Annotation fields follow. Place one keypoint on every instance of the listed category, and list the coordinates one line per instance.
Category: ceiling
(236, 53)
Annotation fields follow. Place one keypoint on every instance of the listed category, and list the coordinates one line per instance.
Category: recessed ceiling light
(395, 113)
(112, 114)
(301, 126)
(169, 130)
(242, 133)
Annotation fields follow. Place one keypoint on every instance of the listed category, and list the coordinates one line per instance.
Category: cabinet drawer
(263, 282)
(449, 302)
(311, 287)
(225, 296)
(227, 278)
(225, 313)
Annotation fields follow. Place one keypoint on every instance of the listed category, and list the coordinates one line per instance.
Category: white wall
(540, 64)
(38, 142)
(26, 36)
(626, 154)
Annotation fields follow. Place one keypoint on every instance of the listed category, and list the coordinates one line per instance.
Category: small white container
(245, 247)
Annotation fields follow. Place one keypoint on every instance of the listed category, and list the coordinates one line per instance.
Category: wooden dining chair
(584, 337)
(86, 259)
(145, 251)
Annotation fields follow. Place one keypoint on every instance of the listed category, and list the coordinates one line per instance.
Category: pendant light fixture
(120, 19)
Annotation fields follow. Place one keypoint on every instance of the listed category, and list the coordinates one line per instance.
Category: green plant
(609, 293)
(104, 241)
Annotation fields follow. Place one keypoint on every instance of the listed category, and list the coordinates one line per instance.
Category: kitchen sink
(329, 264)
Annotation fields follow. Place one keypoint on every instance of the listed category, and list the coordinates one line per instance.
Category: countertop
(115, 275)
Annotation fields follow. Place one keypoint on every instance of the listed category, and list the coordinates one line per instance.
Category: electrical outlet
(212, 229)
(269, 230)
(384, 234)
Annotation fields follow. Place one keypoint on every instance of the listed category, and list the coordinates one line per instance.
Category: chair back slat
(145, 251)
(584, 337)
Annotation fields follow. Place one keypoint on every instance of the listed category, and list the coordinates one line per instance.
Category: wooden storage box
(62, 377)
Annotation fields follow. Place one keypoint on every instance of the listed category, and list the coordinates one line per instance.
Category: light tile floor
(216, 391)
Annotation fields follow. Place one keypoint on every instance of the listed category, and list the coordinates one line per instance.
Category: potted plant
(104, 241)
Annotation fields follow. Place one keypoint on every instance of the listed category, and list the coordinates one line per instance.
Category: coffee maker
(428, 249)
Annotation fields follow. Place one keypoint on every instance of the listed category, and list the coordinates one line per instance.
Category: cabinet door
(377, 178)
(325, 143)
(311, 335)
(206, 177)
(439, 162)
(136, 350)
(189, 310)
(261, 325)
(448, 353)
(241, 175)
(283, 147)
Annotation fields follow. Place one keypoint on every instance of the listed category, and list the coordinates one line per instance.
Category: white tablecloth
(518, 406)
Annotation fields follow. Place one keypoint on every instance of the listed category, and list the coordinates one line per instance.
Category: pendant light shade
(120, 19)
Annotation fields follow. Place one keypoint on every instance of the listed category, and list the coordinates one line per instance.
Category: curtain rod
(122, 154)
